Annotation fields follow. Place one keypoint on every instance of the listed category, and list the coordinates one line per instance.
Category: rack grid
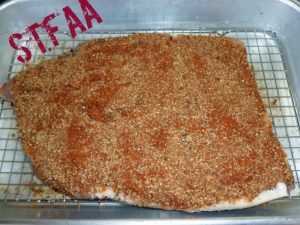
(264, 53)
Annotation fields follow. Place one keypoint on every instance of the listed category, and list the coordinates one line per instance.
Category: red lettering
(35, 35)
(89, 13)
(24, 49)
(51, 30)
(73, 21)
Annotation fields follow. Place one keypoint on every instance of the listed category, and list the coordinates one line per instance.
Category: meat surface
(174, 122)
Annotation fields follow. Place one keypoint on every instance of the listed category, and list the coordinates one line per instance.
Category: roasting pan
(270, 29)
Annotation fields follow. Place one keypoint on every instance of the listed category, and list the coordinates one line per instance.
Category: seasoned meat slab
(174, 122)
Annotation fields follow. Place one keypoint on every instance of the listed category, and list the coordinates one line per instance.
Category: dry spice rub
(155, 120)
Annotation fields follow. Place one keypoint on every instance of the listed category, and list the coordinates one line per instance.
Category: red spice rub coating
(173, 121)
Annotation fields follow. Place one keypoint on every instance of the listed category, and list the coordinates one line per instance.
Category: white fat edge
(278, 192)
(109, 193)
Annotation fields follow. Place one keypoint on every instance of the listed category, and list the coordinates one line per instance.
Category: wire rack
(265, 55)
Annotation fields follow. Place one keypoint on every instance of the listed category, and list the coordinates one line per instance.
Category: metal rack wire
(265, 54)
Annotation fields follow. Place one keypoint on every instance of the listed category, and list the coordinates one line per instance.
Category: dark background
(2, 1)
